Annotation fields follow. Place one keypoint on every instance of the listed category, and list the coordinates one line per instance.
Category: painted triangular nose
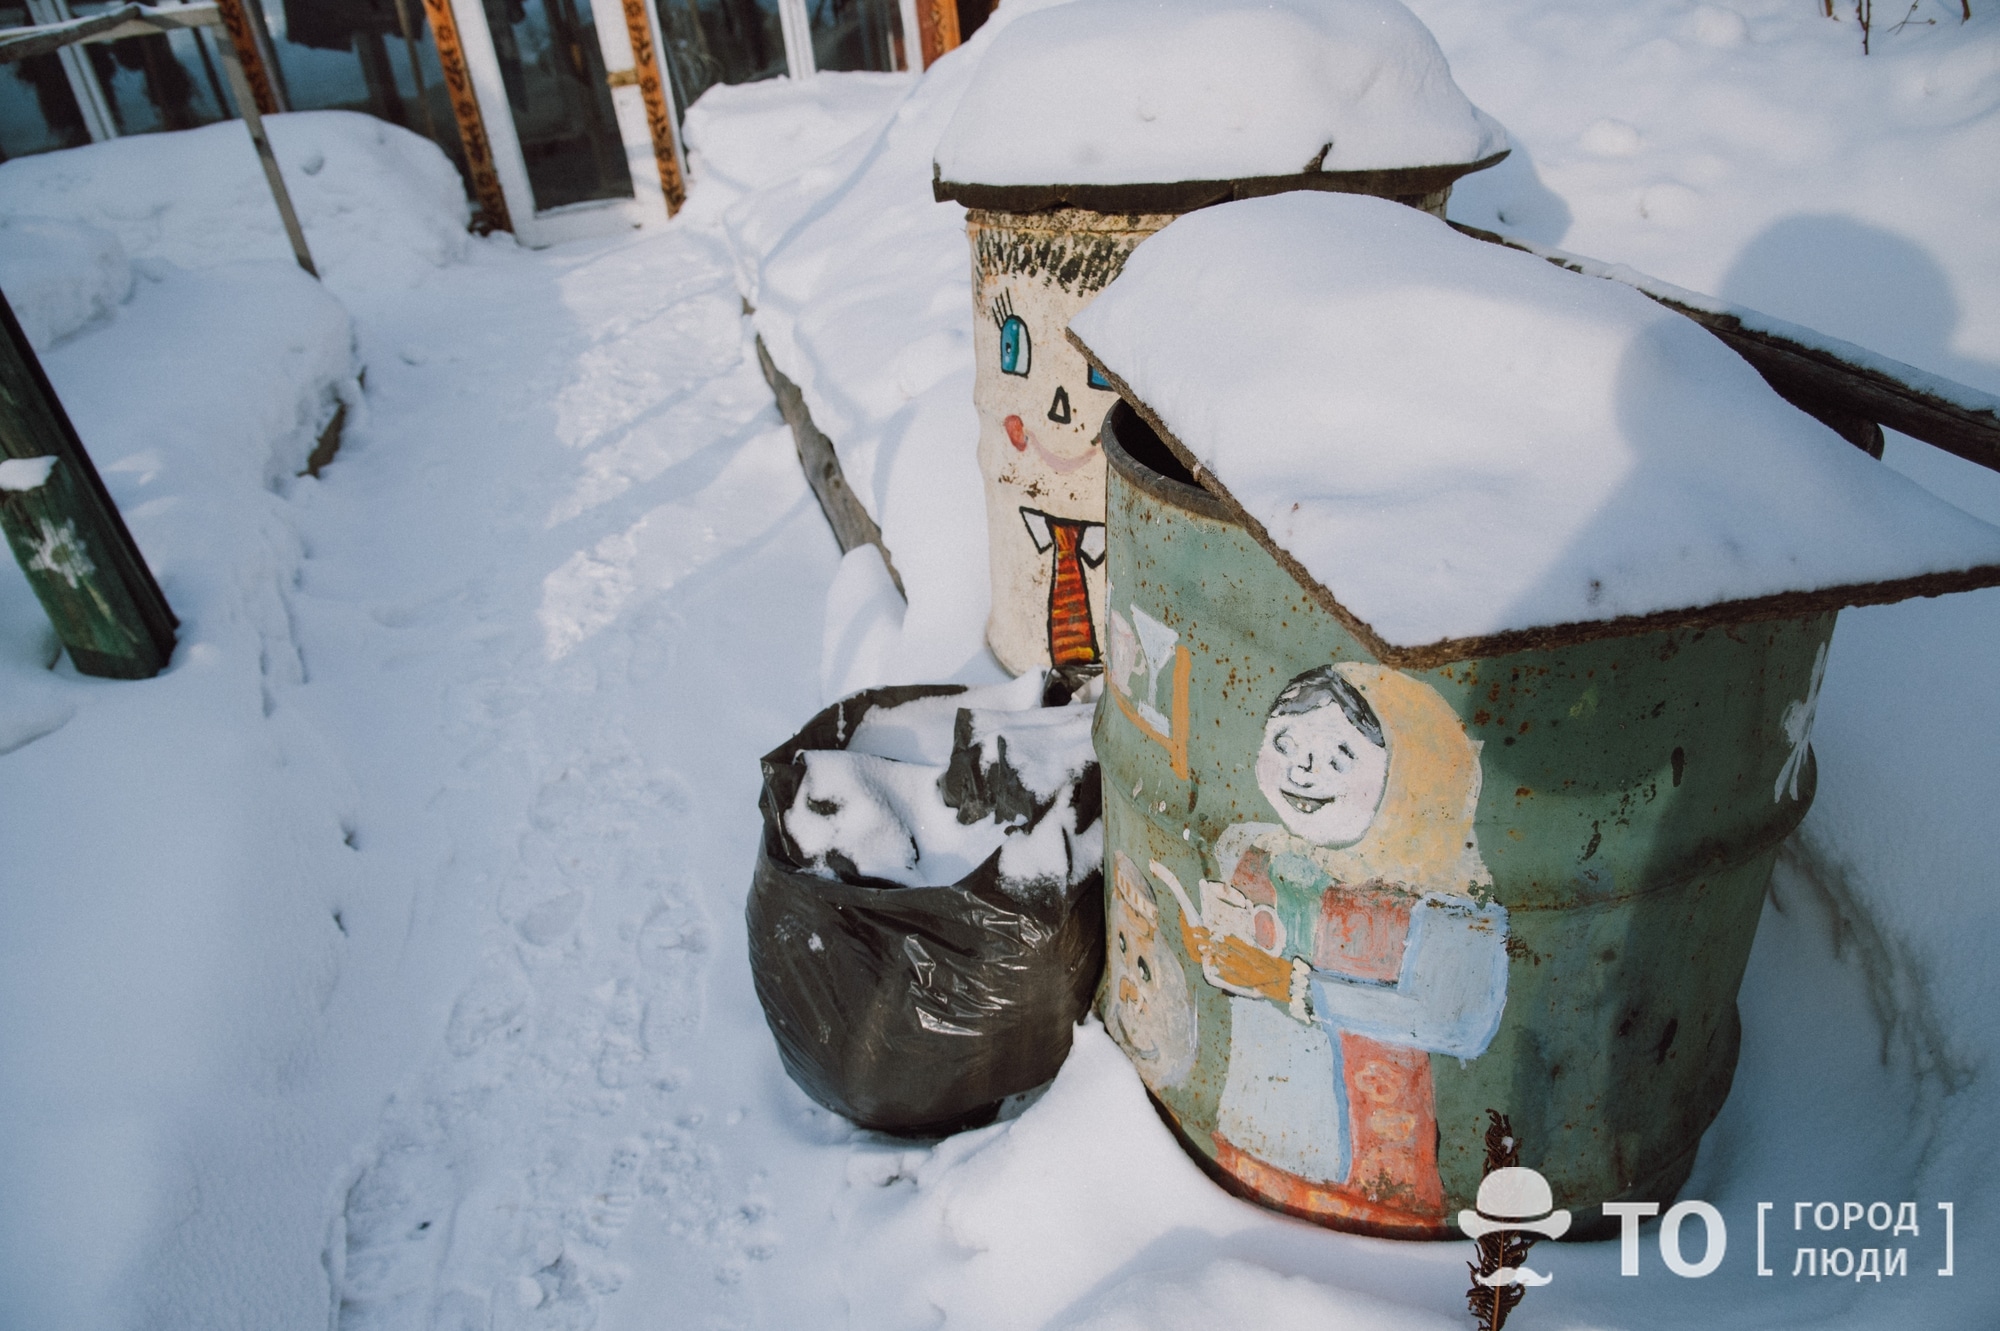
(1059, 409)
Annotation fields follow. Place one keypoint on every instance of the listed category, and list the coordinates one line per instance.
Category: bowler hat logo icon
(1514, 1200)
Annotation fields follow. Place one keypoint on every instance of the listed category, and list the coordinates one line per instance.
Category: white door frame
(90, 96)
(797, 27)
(551, 226)
(628, 102)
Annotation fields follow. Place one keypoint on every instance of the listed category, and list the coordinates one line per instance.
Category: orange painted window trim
(659, 116)
(1175, 744)
(465, 109)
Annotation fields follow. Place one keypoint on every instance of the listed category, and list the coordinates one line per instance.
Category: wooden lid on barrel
(1164, 106)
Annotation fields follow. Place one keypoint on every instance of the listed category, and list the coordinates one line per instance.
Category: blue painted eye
(1015, 350)
(1096, 379)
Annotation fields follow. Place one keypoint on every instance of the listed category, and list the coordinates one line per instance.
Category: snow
(60, 276)
(380, 966)
(901, 801)
(923, 730)
(1756, 321)
(24, 474)
(1118, 92)
(747, 136)
(370, 197)
(1458, 439)
(861, 288)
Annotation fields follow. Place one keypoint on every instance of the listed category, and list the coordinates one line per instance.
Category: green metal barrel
(1354, 908)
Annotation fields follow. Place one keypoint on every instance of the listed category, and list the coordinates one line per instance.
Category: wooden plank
(67, 534)
(1809, 376)
(243, 40)
(852, 527)
(1848, 387)
(659, 116)
(937, 28)
(168, 18)
(465, 109)
(26, 43)
(253, 120)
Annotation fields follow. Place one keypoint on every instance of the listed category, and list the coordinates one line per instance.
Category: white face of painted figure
(1151, 1012)
(1322, 775)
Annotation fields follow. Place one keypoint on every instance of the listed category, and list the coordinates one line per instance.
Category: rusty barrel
(1563, 871)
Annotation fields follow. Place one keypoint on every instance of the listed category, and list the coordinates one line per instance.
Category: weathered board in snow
(1851, 389)
(66, 532)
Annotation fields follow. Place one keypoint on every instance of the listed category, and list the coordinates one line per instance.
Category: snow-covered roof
(1458, 441)
(1125, 92)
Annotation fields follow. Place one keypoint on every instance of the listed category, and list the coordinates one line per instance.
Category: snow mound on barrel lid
(1119, 92)
(1456, 440)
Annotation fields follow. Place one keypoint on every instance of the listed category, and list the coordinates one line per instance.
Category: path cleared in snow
(575, 528)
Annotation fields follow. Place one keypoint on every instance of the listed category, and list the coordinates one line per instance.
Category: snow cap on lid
(1124, 92)
(1455, 440)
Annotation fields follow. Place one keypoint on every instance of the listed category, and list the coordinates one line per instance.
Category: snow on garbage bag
(926, 919)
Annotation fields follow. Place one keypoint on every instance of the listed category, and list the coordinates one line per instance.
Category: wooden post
(659, 116)
(465, 109)
(937, 25)
(66, 532)
(244, 39)
(244, 91)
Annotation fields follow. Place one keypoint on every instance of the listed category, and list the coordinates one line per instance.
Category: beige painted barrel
(1039, 402)
(1040, 406)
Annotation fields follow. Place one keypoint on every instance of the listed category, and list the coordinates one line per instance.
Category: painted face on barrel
(1325, 762)
(1040, 411)
(1052, 399)
(1152, 1011)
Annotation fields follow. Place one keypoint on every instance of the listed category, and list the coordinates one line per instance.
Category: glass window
(554, 73)
(855, 34)
(38, 112)
(708, 42)
(169, 81)
(351, 55)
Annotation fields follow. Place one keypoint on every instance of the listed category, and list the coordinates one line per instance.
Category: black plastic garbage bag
(914, 1009)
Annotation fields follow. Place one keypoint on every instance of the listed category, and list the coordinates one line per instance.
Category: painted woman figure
(1352, 941)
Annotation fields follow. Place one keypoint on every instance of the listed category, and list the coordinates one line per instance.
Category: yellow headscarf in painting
(1422, 835)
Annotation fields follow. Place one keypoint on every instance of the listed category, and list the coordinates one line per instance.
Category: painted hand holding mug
(1328, 1100)
(1360, 731)
(1350, 945)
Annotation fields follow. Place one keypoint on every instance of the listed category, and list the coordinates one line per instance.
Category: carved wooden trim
(465, 109)
(245, 41)
(937, 27)
(659, 115)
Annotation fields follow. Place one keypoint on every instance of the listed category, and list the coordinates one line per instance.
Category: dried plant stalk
(1490, 1305)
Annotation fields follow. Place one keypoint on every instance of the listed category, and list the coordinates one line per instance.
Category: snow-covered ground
(381, 964)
